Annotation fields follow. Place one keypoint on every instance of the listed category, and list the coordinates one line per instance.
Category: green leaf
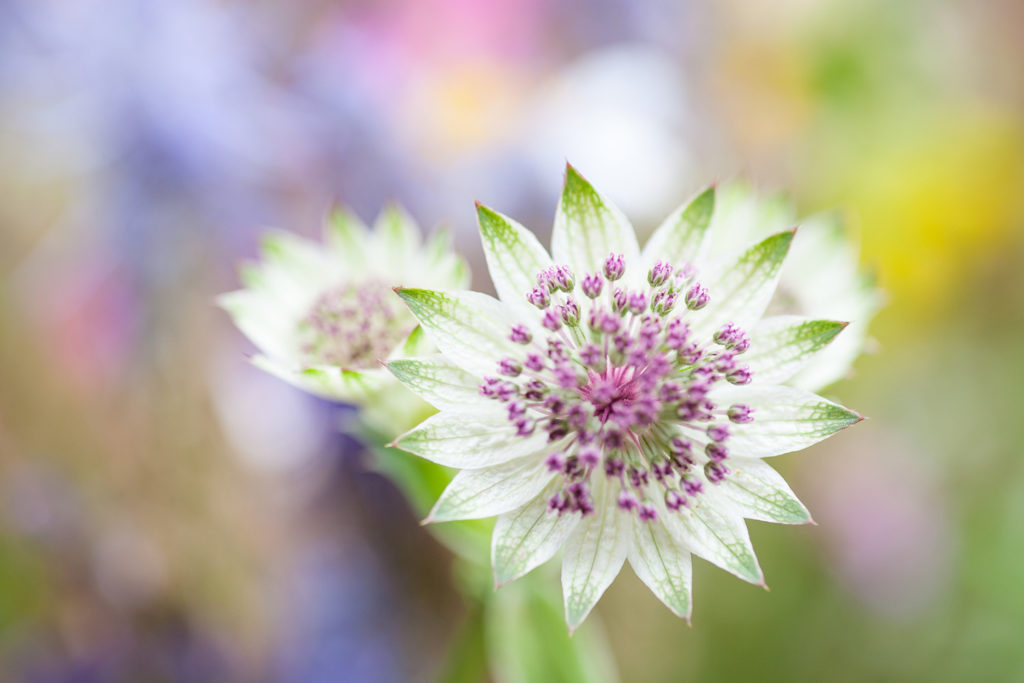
(681, 238)
(474, 494)
(782, 345)
(514, 256)
(467, 441)
(439, 382)
(785, 419)
(710, 530)
(663, 563)
(741, 291)
(470, 328)
(761, 493)
(528, 537)
(594, 554)
(588, 228)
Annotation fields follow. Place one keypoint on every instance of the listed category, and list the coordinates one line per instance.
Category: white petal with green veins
(682, 237)
(469, 327)
(439, 382)
(588, 228)
(785, 419)
(663, 563)
(330, 382)
(741, 291)
(761, 493)
(514, 256)
(474, 494)
(780, 346)
(712, 531)
(594, 554)
(347, 236)
(528, 537)
(397, 232)
(261, 321)
(470, 440)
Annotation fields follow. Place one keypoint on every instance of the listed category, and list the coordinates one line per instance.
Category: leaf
(662, 562)
(514, 256)
(741, 291)
(528, 537)
(466, 441)
(439, 382)
(491, 491)
(780, 346)
(470, 328)
(785, 419)
(761, 493)
(681, 238)
(594, 554)
(588, 228)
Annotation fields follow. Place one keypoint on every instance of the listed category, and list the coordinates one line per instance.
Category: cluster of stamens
(623, 391)
(354, 325)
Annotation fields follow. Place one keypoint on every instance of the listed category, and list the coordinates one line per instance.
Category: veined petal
(588, 228)
(662, 562)
(514, 256)
(682, 237)
(269, 329)
(452, 270)
(528, 537)
(785, 419)
(302, 260)
(761, 493)
(346, 235)
(711, 530)
(473, 494)
(470, 328)
(469, 441)
(781, 346)
(439, 382)
(397, 231)
(593, 555)
(741, 291)
(417, 343)
(330, 382)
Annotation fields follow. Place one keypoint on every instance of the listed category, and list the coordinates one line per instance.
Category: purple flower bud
(627, 501)
(524, 426)
(538, 296)
(546, 280)
(692, 485)
(552, 320)
(740, 375)
(697, 297)
(663, 303)
(647, 513)
(577, 417)
(674, 500)
(534, 362)
(715, 472)
(740, 414)
(592, 286)
(614, 267)
(613, 467)
(570, 313)
(619, 301)
(590, 457)
(659, 274)
(555, 462)
(637, 303)
(591, 355)
(718, 432)
(520, 335)
(563, 278)
(716, 451)
(509, 367)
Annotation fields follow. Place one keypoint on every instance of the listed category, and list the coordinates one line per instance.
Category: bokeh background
(168, 513)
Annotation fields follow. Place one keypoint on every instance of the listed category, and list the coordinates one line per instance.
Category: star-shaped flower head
(616, 403)
(324, 316)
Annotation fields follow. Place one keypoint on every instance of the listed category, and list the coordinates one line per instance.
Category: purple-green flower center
(354, 325)
(624, 394)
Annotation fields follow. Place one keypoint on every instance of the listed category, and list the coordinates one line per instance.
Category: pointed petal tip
(810, 522)
(764, 585)
(429, 519)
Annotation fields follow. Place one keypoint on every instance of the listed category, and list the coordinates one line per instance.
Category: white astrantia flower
(325, 316)
(616, 403)
(820, 278)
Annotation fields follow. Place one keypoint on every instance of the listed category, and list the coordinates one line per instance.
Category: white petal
(761, 493)
(330, 382)
(588, 228)
(780, 346)
(469, 327)
(662, 562)
(474, 494)
(514, 256)
(528, 537)
(439, 382)
(469, 441)
(396, 234)
(682, 237)
(594, 554)
(785, 419)
(262, 321)
(741, 291)
(714, 530)
(347, 237)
